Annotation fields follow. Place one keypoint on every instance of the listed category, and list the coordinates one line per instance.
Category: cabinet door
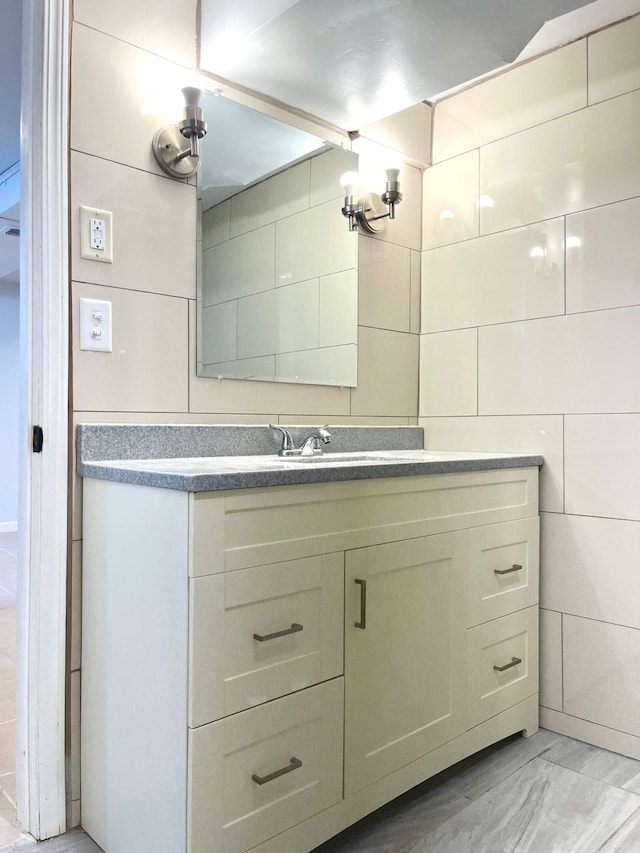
(405, 669)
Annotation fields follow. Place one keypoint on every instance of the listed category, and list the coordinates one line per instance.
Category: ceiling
(353, 63)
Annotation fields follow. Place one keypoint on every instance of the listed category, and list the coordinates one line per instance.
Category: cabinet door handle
(294, 629)
(512, 662)
(294, 764)
(363, 604)
(516, 567)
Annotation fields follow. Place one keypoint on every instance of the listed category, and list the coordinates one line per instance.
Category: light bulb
(350, 182)
(192, 96)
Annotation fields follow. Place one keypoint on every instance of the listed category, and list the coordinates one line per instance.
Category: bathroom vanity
(264, 665)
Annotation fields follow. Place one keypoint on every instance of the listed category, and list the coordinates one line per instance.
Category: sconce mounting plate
(372, 214)
(167, 144)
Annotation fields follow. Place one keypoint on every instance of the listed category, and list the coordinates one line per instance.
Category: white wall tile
(408, 131)
(74, 734)
(614, 63)
(154, 226)
(302, 241)
(387, 373)
(603, 257)
(448, 373)
(536, 434)
(590, 568)
(555, 84)
(239, 267)
(170, 31)
(416, 283)
(326, 171)
(219, 332)
(602, 464)
(216, 224)
(281, 195)
(146, 370)
(134, 84)
(75, 651)
(551, 659)
(279, 320)
(601, 669)
(450, 191)
(245, 398)
(328, 365)
(581, 160)
(384, 284)
(513, 275)
(338, 318)
(577, 363)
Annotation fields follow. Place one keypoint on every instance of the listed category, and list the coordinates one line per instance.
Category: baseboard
(592, 733)
(8, 526)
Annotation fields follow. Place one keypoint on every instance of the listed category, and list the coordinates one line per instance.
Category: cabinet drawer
(237, 798)
(503, 569)
(261, 633)
(502, 664)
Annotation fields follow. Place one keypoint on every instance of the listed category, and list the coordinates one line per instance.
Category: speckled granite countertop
(213, 458)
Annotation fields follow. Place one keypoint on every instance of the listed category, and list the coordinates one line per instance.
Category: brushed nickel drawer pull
(516, 567)
(363, 604)
(294, 629)
(294, 764)
(513, 662)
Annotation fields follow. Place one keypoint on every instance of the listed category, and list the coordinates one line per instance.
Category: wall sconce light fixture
(168, 142)
(371, 211)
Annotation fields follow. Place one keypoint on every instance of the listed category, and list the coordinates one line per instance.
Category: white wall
(531, 342)
(9, 367)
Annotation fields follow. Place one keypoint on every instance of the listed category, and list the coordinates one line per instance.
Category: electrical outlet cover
(104, 255)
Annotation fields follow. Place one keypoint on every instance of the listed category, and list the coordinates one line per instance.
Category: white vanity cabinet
(263, 667)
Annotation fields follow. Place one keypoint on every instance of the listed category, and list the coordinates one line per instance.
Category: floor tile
(7, 669)
(397, 827)
(626, 839)
(7, 747)
(72, 842)
(492, 766)
(541, 807)
(7, 701)
(8, 786)
(9, 832)
(597, 763)
(7, 598)
(8, 632)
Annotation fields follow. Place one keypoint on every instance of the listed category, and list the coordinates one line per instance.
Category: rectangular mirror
(277, 284)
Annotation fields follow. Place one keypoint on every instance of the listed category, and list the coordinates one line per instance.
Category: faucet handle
(287, 438)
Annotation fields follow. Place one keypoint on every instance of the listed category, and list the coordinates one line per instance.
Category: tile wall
(279, 293)
(133, 58)
(531, 342)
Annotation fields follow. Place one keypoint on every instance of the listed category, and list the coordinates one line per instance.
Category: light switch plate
(93, 222)
(95, 325)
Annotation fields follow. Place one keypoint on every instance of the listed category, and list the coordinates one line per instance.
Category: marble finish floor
(546, 794)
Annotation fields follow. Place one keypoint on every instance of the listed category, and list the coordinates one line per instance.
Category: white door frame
(42, 514)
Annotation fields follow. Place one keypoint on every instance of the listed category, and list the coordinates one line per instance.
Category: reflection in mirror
(277, 286)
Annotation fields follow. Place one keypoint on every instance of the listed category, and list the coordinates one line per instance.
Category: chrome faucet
(311, 446)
